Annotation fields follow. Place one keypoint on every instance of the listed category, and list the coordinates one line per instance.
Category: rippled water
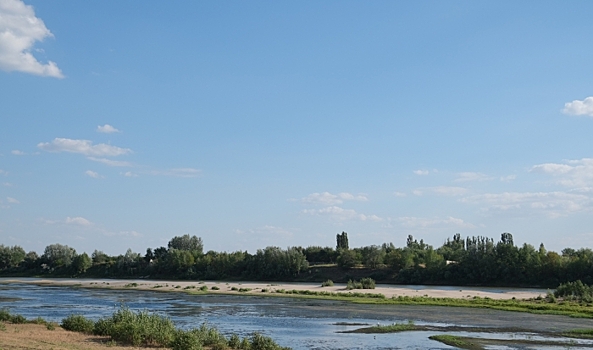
(297, 323)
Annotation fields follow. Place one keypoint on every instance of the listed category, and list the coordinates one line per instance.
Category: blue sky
(253, 124)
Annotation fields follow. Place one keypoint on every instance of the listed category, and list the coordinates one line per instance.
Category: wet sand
(256, 287)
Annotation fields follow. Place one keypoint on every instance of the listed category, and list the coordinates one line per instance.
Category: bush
(5, 315)
(78, 323)
(184, 340)
(140, 328)
(364, 283)
(215, 288)
(18, 319)
(204, 288)
(328, 283)
(50, 326)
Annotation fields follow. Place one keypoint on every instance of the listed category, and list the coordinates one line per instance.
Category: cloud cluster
(85, 147)
(577, 107)
(472, 176)
(326, 198)
(19, 30)
(553, 204)
(572, 173)
(93, 174)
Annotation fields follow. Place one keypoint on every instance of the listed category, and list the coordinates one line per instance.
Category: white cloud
(341, 214)
(441, 191)
(471, 176)
(85, 147)
(19, 30)
(418, 222)
(327, 198)
(552, 204)
(7, 184)
(3, 172)
(12, 200)
(574, 173)
(16, 152)
(508, 178)
(93, 174)
(421, 172)
(106, 129)
(399, 194)
(118, 163)
(130, 174)
(576, 107)
(77, 221)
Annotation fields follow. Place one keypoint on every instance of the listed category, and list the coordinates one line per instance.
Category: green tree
(82, 263)
(342, 241)
(185, 242)
(57, 255)
(11, 256)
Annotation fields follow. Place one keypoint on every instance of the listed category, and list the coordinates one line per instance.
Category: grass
(580, 333)
(152, 330)
(392, 328)
(455, 341)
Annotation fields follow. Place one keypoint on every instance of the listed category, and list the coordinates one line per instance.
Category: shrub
(5, 315)
(204, 288)
(140, 328)
(184, 340)
(234, 341)
(364, 283)
(2, 327)
(78, 323)
(328, 283)
(50, 326)
(215, 288)
(38, 320)
(18, 319)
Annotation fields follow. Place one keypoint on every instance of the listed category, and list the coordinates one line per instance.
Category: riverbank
(38, 337)
(218, 287)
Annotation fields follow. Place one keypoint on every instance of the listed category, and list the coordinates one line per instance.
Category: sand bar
(270, 287)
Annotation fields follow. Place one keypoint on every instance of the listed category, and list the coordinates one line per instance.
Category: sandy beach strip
(225, 287)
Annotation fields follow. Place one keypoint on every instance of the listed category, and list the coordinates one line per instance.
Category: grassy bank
(144, 329)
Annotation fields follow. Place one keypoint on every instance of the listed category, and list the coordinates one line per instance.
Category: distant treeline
(470, 261)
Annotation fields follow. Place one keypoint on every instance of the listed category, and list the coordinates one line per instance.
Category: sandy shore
(256, 287)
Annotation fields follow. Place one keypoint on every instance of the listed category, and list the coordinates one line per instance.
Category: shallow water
(297, 323)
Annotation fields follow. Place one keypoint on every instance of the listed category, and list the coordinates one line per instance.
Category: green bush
(50, 326)
(5, 315)
(328, 283)
(184, 340)
(18, 319)
(364, 283)
(136, 328)
(204, 288)
(78, 323)
(215, 288)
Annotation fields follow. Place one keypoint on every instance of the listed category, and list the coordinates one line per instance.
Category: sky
(254, 124)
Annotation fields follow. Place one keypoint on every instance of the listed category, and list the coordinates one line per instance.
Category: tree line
(474, 260)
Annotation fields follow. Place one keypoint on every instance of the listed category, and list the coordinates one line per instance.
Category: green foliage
(186, 340)
(328, 283)
(2, 327)
(5, 315)
(187, 243)
(136, 328)
(82, 262)
(575, 291)
(456, 341)
(58, 255)
(364, 283)
(204, 288)
(50, 326)
(11, 257)
(78, 323)
(215, 288)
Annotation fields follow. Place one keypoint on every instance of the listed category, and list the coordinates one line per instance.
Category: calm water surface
(297, 323)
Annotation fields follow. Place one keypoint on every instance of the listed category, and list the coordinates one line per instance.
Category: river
(297, 323)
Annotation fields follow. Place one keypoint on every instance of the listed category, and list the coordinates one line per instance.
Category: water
(297, 323)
